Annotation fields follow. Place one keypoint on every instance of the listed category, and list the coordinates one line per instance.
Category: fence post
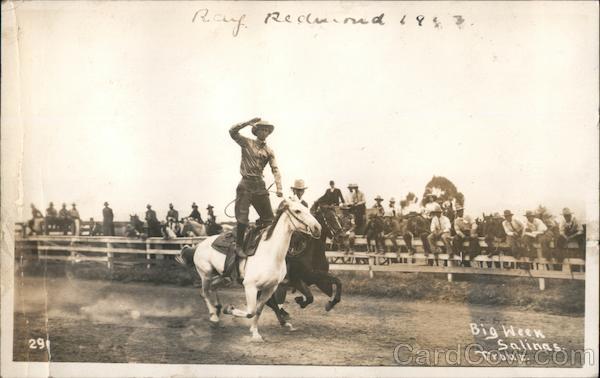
(542, 282)
(147, 254)
(371, 266)
(109, 255)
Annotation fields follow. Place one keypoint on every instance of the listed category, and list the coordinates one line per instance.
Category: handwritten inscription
(239, 22)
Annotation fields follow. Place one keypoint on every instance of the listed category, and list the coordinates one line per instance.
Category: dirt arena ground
(103, 321)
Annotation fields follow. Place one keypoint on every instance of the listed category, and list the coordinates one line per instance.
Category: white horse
(192, 228)
(263, 271)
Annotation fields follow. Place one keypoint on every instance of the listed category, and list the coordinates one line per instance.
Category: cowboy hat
(105, 203)
(459, 207)
(209, 207)
(352, 186)
(148, 206)
(529, 213)
(194, 205)
(378, 198)
(73, 204)
(299, 185)
(567, 211)
(507, 213)
(392, 199)
(497, 215)
(261, 124)
(436, 209)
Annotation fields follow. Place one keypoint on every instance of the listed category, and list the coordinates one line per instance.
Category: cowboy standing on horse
(252, 189)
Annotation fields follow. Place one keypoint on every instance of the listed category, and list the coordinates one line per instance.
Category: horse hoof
(329, 306)
(214, 323)
(257, 339)
(228, 309)
(290, 327)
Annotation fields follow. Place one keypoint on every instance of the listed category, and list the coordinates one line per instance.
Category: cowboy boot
(239, 247)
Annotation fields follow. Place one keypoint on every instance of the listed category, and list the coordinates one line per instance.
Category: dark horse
(490, 228)
(135, 228)
(308, 265)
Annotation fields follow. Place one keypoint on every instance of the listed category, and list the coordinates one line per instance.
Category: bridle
(293, 217)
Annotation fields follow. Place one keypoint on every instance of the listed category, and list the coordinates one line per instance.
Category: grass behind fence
(560, 297)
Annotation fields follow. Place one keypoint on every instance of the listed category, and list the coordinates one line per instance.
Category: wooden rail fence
(114, 249)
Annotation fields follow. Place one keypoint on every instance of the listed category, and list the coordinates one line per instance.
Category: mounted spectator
(333, 196)
(390, 210)
(212, 227)
(75, 220)
(440, 230)
(64, 219)
(298, 190)
(535, 231)
(513, 229)
(195, 214)
(108, 227)
(357, 203)
(466, 230)
(571, 230)
(392, 229)
(36, 221)
(154, 226)
(378, 206)
(173, 214)
(374, 233)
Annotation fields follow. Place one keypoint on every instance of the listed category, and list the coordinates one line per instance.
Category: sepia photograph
(299, 188)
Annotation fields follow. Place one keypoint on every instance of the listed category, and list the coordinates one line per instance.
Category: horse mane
(274, 223)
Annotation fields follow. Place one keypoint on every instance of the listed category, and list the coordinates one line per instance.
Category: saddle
(226, 244)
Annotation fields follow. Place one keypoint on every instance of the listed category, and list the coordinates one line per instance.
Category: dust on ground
(101, 321)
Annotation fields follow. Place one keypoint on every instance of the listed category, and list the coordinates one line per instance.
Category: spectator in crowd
(108, 227)
(63, 218)
(466, 230)
(298, 190)
(75, 219)
(415, 225)
(378, 206)
(430, 204)
(154, 226)
(212, 227)
(36, 221)
(391, 208)
(513, 229)
(374, 232)
(392, 230)
(195, 214)
(95, 228)
(357, 203)
(211, 214)
(51, 218)
(172, 214)
(535, 231)
(333, 196)
(570, 230)
(440, 230)
(349, 227)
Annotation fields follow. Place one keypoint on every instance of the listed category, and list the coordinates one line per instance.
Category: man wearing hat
(570, 230)
(51, 217)
(440, 230)
(154, 226)
(357, 203)
(535, 231)
(349, 227)
(430, 204)
(378, 207)
(75, 219)
(391, 208)
(172, 214)
(513, 229)
(333, 196)
(466, 230)
(195, 214)
(63, 218)
(108, 227)
(252, 189)
(298, 190)
(212, 227)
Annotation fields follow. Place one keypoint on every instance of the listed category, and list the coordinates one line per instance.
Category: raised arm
(234, 131)
(276, 173)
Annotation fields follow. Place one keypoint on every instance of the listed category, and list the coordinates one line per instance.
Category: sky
(131, 103)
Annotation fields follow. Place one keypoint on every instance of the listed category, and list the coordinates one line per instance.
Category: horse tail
(186, 256)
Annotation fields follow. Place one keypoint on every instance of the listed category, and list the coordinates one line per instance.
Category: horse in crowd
(135, 228)
(307, 265)
(192, 228)
(261, 272)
